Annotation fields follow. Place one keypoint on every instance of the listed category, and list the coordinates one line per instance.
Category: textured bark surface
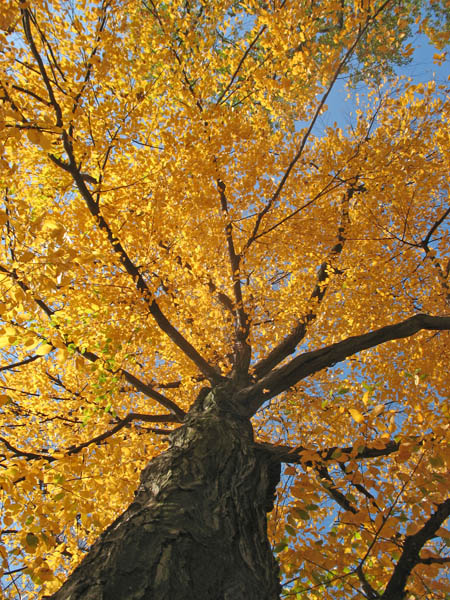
(197, 527)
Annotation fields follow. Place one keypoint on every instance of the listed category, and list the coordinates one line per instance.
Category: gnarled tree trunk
(197, 528)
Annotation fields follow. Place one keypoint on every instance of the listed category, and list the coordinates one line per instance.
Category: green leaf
(280, 547)
(302, 514)
(32, 539)
(290, 530)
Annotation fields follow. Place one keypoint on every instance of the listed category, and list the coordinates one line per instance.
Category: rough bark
(197, 527)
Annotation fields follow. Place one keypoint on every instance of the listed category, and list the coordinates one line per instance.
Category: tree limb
(333, 491)
(300, 454)
(95, 440)
(242, 347)
(80, 181)
(20, 363)
(92, 357)
(282, 378)
(317, 112)
(290, 342)
(395, 589)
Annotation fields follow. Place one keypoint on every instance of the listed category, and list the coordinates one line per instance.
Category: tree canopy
(175, 217)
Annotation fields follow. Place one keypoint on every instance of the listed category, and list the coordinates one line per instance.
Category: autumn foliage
(175, 215)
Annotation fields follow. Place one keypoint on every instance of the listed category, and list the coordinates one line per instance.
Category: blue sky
(421, 69)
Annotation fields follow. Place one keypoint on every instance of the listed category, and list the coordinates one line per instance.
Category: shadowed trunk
(197, 527)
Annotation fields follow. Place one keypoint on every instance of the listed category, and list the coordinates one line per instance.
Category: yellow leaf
(378, 409)
(44, 349)
(4, 341)
(356, 415)
(438, 59)
(61, 355)
(39, 138)
(4, 399)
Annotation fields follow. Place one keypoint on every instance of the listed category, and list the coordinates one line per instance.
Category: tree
(200, 286)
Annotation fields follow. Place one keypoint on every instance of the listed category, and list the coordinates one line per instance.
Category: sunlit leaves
(154, 103)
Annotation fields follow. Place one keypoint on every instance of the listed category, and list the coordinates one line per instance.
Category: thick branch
(370, 592)
(291, 341)
(242, 348)
(221, 296)
(365, 492)
(434, 560)
(395, 589)
(80, 181)
(120, 425)
(281, 379)
(301, 455)
(152, 393)
(29, 37)
(24, 454)
(333, 491)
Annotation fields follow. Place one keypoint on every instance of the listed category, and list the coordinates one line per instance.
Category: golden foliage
(183, 137)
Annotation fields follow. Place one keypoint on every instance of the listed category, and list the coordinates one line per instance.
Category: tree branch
(241, 62)
(162, 321)
(291, 341)
(333, 491)
(20, 363)
(395, 589)
(120, 425)
(80, 180)
(242, 347)
(306, 135)
(95, 440)
(25, 454)
(370, 592)
(302, 455)
(308, 363)
(29, 37)
(434, 560)
(92, 357)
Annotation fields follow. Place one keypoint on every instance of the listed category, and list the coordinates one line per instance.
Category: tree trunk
(197, 528)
